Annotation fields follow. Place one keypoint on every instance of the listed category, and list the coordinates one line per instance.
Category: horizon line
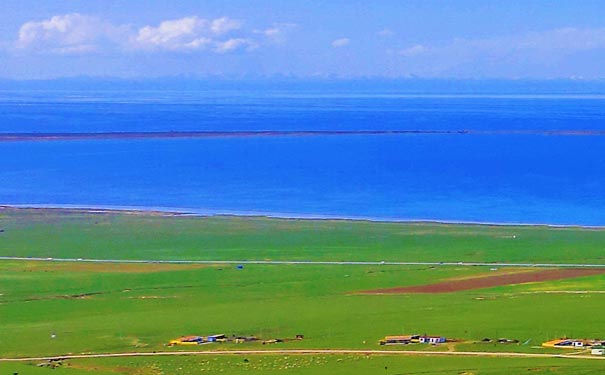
(318, 78)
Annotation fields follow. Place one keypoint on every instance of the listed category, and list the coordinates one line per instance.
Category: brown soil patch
(500, 271)
(490, 281)
(116, 369)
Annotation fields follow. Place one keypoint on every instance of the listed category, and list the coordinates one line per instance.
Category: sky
(462, 39)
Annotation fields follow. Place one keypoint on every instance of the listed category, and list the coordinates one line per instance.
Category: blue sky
(303, 38)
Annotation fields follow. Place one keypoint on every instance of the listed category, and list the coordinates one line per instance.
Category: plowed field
(490, 281)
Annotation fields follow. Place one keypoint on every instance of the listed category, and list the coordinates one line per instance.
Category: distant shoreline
(16, 137)
(191, 212)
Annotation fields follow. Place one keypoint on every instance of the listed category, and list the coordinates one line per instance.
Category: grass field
(57, 233)
(99, 308)
(307, 365)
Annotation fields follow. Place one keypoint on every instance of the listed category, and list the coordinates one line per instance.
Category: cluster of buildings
(201, 340)
(409, 339)
(597, 346)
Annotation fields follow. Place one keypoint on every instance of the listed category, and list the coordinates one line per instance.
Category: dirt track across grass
(306, 352)
(490, 281)
(37, 266)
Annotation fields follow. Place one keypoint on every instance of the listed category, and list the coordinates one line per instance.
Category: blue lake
(480, 178)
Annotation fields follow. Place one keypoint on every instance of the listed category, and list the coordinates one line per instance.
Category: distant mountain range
(324, 84)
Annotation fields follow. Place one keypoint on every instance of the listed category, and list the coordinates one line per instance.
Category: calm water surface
(487, 178)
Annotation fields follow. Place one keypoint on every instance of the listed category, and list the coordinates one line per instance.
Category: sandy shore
(93, 210)
(172, 211)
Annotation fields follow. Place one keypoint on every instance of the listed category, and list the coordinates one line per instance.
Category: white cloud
(277, 32)
(199, 43)
(552, 42)
(518, 53)
(77, 49)
(79, 34)
(69, 33)
(557, 41)
(193, 34)
(416, 50)
(543, 53)
(182, 33)
(385, 33)
(342, 42)
(224, 25)
(233, 44)
(271, 32)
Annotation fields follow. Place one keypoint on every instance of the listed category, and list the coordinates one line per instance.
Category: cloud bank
(193, 33)
(77, 33)
(69, 33)
(533, 49)
(566, 51)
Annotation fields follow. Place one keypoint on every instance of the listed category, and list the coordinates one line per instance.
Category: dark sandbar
(8, 137)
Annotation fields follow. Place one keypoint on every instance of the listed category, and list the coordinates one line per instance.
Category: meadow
(307, 365)
(51, 308)
(78, 234)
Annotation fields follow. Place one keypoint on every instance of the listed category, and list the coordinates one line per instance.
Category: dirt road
(310, 262)
(305, 352)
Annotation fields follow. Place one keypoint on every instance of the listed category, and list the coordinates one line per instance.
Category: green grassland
(102, 308)
(123, 311)
(59, 233)
(307, 365)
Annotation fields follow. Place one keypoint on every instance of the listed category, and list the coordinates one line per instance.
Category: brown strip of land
(8, 137)
(206, 134)
(91, 267)
(490, 281)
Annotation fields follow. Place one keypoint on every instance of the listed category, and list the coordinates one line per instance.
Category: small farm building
(187, 340)
(566, 343)
(407, 339)
(215, 338)
(394, 340)
(598, 350)
(431, 339)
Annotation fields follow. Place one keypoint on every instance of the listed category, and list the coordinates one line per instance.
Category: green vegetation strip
(295, 352)
(311, 364)
(57, 233)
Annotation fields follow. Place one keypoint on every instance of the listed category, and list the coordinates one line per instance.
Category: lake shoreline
(191, 212)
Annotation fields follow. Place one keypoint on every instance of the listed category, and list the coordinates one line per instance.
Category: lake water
(504, 178)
